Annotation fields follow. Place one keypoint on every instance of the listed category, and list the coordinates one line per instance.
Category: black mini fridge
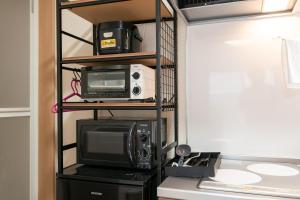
(94, 183)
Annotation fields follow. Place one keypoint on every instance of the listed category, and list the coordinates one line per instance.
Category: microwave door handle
(130, 145)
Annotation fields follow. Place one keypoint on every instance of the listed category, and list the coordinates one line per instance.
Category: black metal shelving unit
(164, 60)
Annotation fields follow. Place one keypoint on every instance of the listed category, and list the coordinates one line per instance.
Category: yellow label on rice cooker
(108, 43)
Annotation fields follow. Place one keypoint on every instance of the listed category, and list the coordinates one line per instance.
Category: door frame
(43, 140)
(32, 110)
(34, 97)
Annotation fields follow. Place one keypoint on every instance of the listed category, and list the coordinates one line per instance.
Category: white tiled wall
(238, 102)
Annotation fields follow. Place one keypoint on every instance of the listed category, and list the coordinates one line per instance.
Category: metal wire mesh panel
(168, 66)
(194, 3)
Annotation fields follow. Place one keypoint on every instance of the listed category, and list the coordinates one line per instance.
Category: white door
(16, 97)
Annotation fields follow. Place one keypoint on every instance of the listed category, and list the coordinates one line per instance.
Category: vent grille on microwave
(199, 3)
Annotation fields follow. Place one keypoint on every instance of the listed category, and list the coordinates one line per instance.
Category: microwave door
(108, 146)
(131, 145)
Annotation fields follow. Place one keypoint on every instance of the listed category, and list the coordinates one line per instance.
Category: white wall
(182, 40)
(71, 47)
(237, 98)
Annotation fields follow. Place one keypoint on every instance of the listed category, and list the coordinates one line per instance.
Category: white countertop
(187, 189)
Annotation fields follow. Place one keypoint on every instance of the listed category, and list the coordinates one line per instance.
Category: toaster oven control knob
(143, 138)
(136, 75)
(136, 90)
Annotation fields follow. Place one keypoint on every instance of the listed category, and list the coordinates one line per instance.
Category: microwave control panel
(144, 145)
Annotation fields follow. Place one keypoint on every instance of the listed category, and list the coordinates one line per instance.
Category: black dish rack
(205, 165)
(199, 3)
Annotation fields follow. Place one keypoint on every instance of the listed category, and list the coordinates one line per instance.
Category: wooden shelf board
(113, 105)
(145, 58)
(127, 10)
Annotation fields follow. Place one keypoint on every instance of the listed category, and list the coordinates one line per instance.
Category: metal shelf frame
(159, 106)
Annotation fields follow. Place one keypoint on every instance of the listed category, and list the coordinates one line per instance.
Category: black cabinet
(90, 183)
(86, 190)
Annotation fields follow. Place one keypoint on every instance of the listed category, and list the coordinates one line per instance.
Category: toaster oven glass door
(105, 83)
(108, 145)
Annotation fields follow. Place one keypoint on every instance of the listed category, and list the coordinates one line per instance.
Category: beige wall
(15, 53)
(15, 158)
(15, 135)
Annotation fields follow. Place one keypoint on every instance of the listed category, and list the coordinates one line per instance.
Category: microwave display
(106, 81)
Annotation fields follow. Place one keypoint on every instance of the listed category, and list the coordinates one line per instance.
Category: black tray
(205, 169)
(199, 3)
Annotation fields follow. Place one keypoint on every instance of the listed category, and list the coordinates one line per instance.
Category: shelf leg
(95, 39)
(59, 88)
(158, 89)
(176, 74)
(96, 117)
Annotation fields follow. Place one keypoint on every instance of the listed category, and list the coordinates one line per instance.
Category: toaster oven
(118, 82)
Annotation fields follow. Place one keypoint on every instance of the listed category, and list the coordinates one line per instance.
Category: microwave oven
(119, 142)
(118, 82)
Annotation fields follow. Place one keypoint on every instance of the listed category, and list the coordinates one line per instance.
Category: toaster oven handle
(130, 144)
